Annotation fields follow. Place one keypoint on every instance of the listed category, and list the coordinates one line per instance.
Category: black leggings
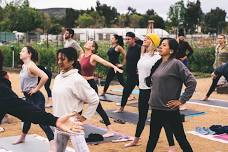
(38, 100)
(213, 85)
(143, 107)
(110, 76)
(132, 81)
(47, 87)
(99, 109)
(161, 118)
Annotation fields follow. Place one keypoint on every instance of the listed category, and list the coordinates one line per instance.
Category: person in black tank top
(113, 54)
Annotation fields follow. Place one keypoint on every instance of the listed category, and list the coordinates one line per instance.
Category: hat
(130, 34)
(154, 38)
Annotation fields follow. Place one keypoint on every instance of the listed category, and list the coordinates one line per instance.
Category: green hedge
(201, 61)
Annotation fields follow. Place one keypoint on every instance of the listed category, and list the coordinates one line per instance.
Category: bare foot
(119, 110)
(205, 99)
(132, 143)
(172, 149)
(21, 140)
(131, 98)
(108, 134)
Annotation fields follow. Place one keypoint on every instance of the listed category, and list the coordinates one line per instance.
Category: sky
(160, 6)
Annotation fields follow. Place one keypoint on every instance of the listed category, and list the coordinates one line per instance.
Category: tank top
(27, 81)
(87, 69)
(113, 55)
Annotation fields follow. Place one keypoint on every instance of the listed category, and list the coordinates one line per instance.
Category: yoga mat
(112, 98)
(33, 143)
(121, 90)
(210, 137)
(214, 102)
(124, 116)
(189, 112)
(222, 136)
(94, 129)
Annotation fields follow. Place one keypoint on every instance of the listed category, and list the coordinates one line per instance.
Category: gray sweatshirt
(167, 82)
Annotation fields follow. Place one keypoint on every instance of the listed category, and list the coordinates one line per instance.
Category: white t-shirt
(145, 63)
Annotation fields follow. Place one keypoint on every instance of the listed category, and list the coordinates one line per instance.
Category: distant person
(132, 58)
(216, 75)
(114, 53)
(221, 55)
(47, 84)
(70, 42)
(184, 46)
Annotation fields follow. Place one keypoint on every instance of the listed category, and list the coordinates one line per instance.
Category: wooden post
(150, 27)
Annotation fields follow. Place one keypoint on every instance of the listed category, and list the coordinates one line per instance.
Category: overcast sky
(160, 6)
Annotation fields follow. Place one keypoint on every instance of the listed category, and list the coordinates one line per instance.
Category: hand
(184, 58)
(116, 69)
(119, 65)
(80, 117)
(173, 104)
(213, 75)
(65, 123)
(32, 91)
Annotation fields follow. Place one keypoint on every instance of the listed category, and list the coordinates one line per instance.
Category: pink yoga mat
(222, 136)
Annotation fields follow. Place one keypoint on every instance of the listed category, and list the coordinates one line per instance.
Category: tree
(85, 20)
(71, 16)
(215, 20)
(176, 13)
(135, 20)
(55, 29)
(193, 16)
(110, 13)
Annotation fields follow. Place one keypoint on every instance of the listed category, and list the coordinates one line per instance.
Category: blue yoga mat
(121, 90)
(218, 103)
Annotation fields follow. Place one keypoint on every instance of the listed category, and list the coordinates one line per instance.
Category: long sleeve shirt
(167, 82)
(182, 51)
(70, 92)
(132, 58)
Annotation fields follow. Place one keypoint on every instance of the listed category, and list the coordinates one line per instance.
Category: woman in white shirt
(70, 90)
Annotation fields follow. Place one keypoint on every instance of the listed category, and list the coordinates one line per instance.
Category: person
(31, 89)
(47, 84)
(88, 62)
(165, 99)
(70, 91)
(149, 56)
(132, 58)
(216, 75)
(221, 55)
(184, 46)
(11, 104)
(70, 42)
(113, 54)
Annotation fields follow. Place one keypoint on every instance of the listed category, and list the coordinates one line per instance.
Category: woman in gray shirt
(166, 97)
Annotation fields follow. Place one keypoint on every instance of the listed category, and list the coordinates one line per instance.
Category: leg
(61, 141)
(130, 85)
(47, 88)
(212, 87)
(143, 107)
(79, 143)
(108, 80)
(174, 121)
(120, 78)
(155, 129)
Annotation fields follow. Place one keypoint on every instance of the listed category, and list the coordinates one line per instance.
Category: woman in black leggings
(165, 97)
(88, 61)
(113, 54)
(216, 75)
(149, 57)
